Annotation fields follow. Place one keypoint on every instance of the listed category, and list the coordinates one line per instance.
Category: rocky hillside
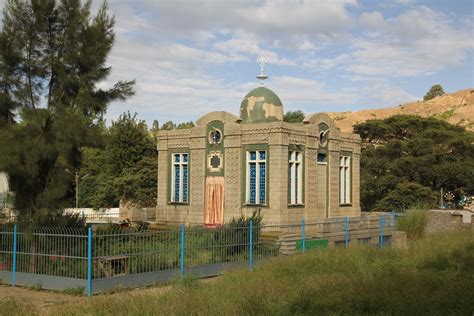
(456, 108)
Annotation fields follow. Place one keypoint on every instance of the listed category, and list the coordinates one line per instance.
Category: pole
(77, 189)
(251, 245)
(381, 231)
(182, 250)
(14, 254)
(303, 235)
(89, 262)
(346, 224)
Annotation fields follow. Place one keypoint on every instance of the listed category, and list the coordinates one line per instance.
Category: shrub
(235, 236)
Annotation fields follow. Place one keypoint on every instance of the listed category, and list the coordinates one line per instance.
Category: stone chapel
(228, 166)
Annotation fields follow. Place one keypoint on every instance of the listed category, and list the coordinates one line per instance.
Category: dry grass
(433, 276)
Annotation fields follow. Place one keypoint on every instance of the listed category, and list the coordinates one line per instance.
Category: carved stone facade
(234, 142)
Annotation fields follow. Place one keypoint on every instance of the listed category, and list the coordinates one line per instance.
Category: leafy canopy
(406, 160)
(125, 169)
(294, 116)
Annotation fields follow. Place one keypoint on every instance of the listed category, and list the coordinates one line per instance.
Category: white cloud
(374, 21)
(418, 41)
(307, 45)
(294, 90)
(194, 56)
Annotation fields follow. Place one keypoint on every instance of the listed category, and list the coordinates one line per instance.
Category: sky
(193, 57)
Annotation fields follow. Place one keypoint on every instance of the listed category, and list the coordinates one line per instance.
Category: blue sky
(192, 57)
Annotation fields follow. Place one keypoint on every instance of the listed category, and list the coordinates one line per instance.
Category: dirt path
(39, 299)
(42, 300)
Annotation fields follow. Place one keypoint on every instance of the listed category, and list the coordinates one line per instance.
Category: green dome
(261, 105)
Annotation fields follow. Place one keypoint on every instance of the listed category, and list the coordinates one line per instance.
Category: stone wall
(448, 220)
(134, 213)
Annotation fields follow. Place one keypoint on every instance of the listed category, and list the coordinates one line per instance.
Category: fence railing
(104, 254)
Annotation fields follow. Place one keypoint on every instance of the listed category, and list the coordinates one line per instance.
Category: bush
(235, 236)
(413, 222)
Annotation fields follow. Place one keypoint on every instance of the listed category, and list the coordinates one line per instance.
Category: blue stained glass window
(253, 192)
(262, 155)
(253, 155)
(180, 178)
(176, 184)
(262, 183)
(185, 183)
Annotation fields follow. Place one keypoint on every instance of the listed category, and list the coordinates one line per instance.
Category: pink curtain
(214, 201)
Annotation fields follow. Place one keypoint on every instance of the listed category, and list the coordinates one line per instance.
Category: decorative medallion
(215, 136)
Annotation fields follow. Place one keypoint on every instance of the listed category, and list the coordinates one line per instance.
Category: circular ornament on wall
(215, 136)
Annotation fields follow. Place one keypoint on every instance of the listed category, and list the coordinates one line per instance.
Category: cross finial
(262, 60)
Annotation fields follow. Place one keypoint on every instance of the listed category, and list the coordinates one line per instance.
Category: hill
(457, 108)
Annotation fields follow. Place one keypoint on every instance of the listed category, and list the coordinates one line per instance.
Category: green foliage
(413, 222)
(408, 194)
(61, 219)
(125, 169)
(434, 92)
(185, 125)
(167, 126)
(294, 116)
(36, 152)
(237, 231)
(52, 57)
(406, 160)
(155, 252)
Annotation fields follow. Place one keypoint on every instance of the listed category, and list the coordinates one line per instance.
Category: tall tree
(52, 56)
(125, 169)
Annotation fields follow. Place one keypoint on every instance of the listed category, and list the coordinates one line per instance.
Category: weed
(413, 222)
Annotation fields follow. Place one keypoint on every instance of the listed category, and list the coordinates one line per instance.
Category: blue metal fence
(105, 256)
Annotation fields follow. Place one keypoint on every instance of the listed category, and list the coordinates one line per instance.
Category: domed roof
(261, 105)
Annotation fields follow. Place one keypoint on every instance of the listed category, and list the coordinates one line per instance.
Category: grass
(432, 276)
(413, 222)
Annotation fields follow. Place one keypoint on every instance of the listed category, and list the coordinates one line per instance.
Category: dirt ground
(44, 299)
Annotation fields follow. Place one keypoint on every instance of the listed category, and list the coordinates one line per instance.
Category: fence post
(346, 230)
(303, 235)
(89, 262)
(251, 245)
(14, 254)
(394, 219)
(381, 231)
(182, 250)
